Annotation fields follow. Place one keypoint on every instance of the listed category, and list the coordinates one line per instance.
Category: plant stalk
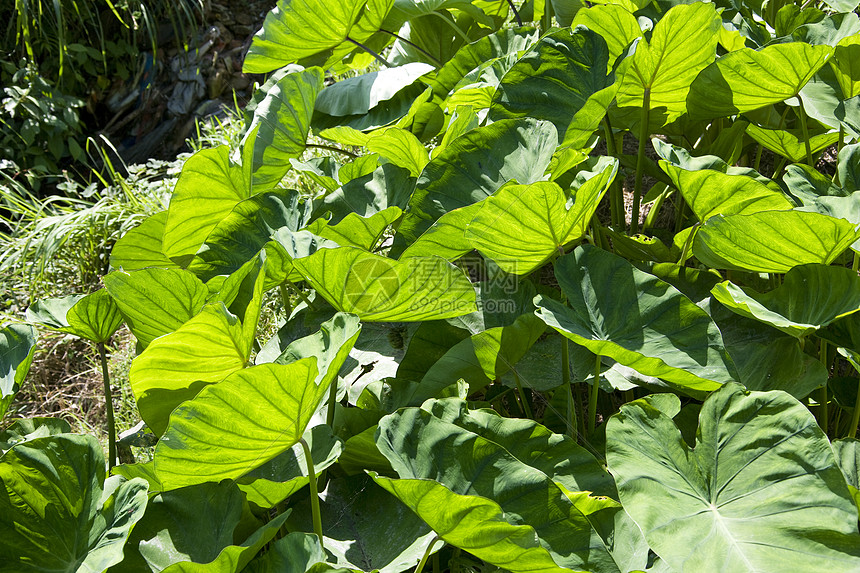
(805, 130)
(592, 398)
(526, 408)
(519, 23)
(855, 415)
(111, 428)
(823, 416)
(331, 148)
(332, 401)
(616, 193)
(640, 160)
(565, 382)
(379, 58)
(430, 56)
(453, 25)
(312, 485)
(426, 555)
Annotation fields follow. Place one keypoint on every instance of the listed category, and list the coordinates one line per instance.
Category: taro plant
(579, 295)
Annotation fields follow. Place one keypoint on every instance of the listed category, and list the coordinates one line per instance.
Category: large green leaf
(446, 238)
(846, 66)
(761, 490)
(141, 247)
(17, 346)
(475, 165)
(682, 44)
(360, 94)
(365, 528)
(772, 241)
(810, 297)
(523, 226)
(379, 289)
(638, 320)
(554, 79)
(848, 457)
(173, 368)
(169, 539)
(208, 188)
(791, 144)
(297, 29)
(355, 231)
(57, 512)
(295, 553)
(156, 301)
(94, 317)
(279, 128)
(747, 79)
(26, 429)
(710, 192)
(614, 23)
(420, 445)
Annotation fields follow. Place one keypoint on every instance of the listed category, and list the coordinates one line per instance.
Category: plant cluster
(488, 360)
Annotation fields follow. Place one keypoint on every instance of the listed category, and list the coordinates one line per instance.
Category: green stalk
(758, 156)
(378, 58)
(689, 240)
(841, 143)
(856, 264)
(855, 415)
(592, 398)
(298, 292)
(652, 215)
(453, 25)
(312, 485)
(426, 555)
(547, 16)
(285, 299)
(519, 23)
(805, 130)
(823, 418)
(331, 148)
(779, 167)
(565, 382)
(430, 56)
(616, 193)
(332, 401)
(111, 428)
(640, 161)
(526, 408)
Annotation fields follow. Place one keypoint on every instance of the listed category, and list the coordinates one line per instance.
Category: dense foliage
(493, 356)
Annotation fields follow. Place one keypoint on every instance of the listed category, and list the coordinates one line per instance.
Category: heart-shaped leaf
(142, 246)
(94, 317)
(17, 346)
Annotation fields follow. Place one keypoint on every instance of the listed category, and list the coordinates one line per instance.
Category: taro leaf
(848, 457)
(57, 511)
(387, 186)
(473, 523)
(155, 302)
(208, 188)
(401, 148)
(554, 79)
(446, 238)
(848, 167)
(475, 165)
(481, 358)
(710, 193)
(772, 241)
(791, 145)
(365, 528)
(615, 24)
(355, 231)
(747, 79)
(810, 297)
(279, 128)
(846, 66)
(169, 539)
(358, 95)
(297, 29)
(405, 10)
(297, 552)
(523, 226)
(497, 45)
(26, 429)
(94, 317)
(173, 368)
(284, 475)
(587, 120)
(432, 339)
(760, 491)
(473, 465)
(253, 415)
(241, 233)
(141, 247)
(378, 289)
(17, 347)
(638, 320)
(682, 44)
(242, 294)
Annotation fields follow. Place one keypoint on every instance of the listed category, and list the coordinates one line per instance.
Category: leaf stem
(592, 398)
(565, 382)
(823, 417)
(616, 193)
(379, 58)
(805, 130)
(111, 428)
(331, 148)
(758, 153)
(285, 299)
(426, 555)
(640, 160)
(453, 25)
(332, 401)
(516, 16)
(526, 408)
(312, 485)
(436, 62)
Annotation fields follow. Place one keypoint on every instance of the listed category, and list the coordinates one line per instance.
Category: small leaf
(17, 347)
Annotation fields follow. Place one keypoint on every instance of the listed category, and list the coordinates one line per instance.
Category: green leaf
(791, 144)
(17, 347)
(208, 188)
(554, 79)
(355, 231)
(387, 186)
(360, 94)
(401, 148)
(710, 192)
(475, 165)
(173, 368)
(365, 528)
(26, 429)
(446, 238)
(614, 23)
(297, 29)
(57, 511)
(94, 317)
(378, 289)
(747, 79)
(772, 241)
(682, 44)
(294, 553)
(523, 226)
(472, 464)
(168, 537)
(848, 457)
(809, 298)
(638, 320)
(760, 491)
(279, 128)
(141, 247)
(156, 301)
(846, 66)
